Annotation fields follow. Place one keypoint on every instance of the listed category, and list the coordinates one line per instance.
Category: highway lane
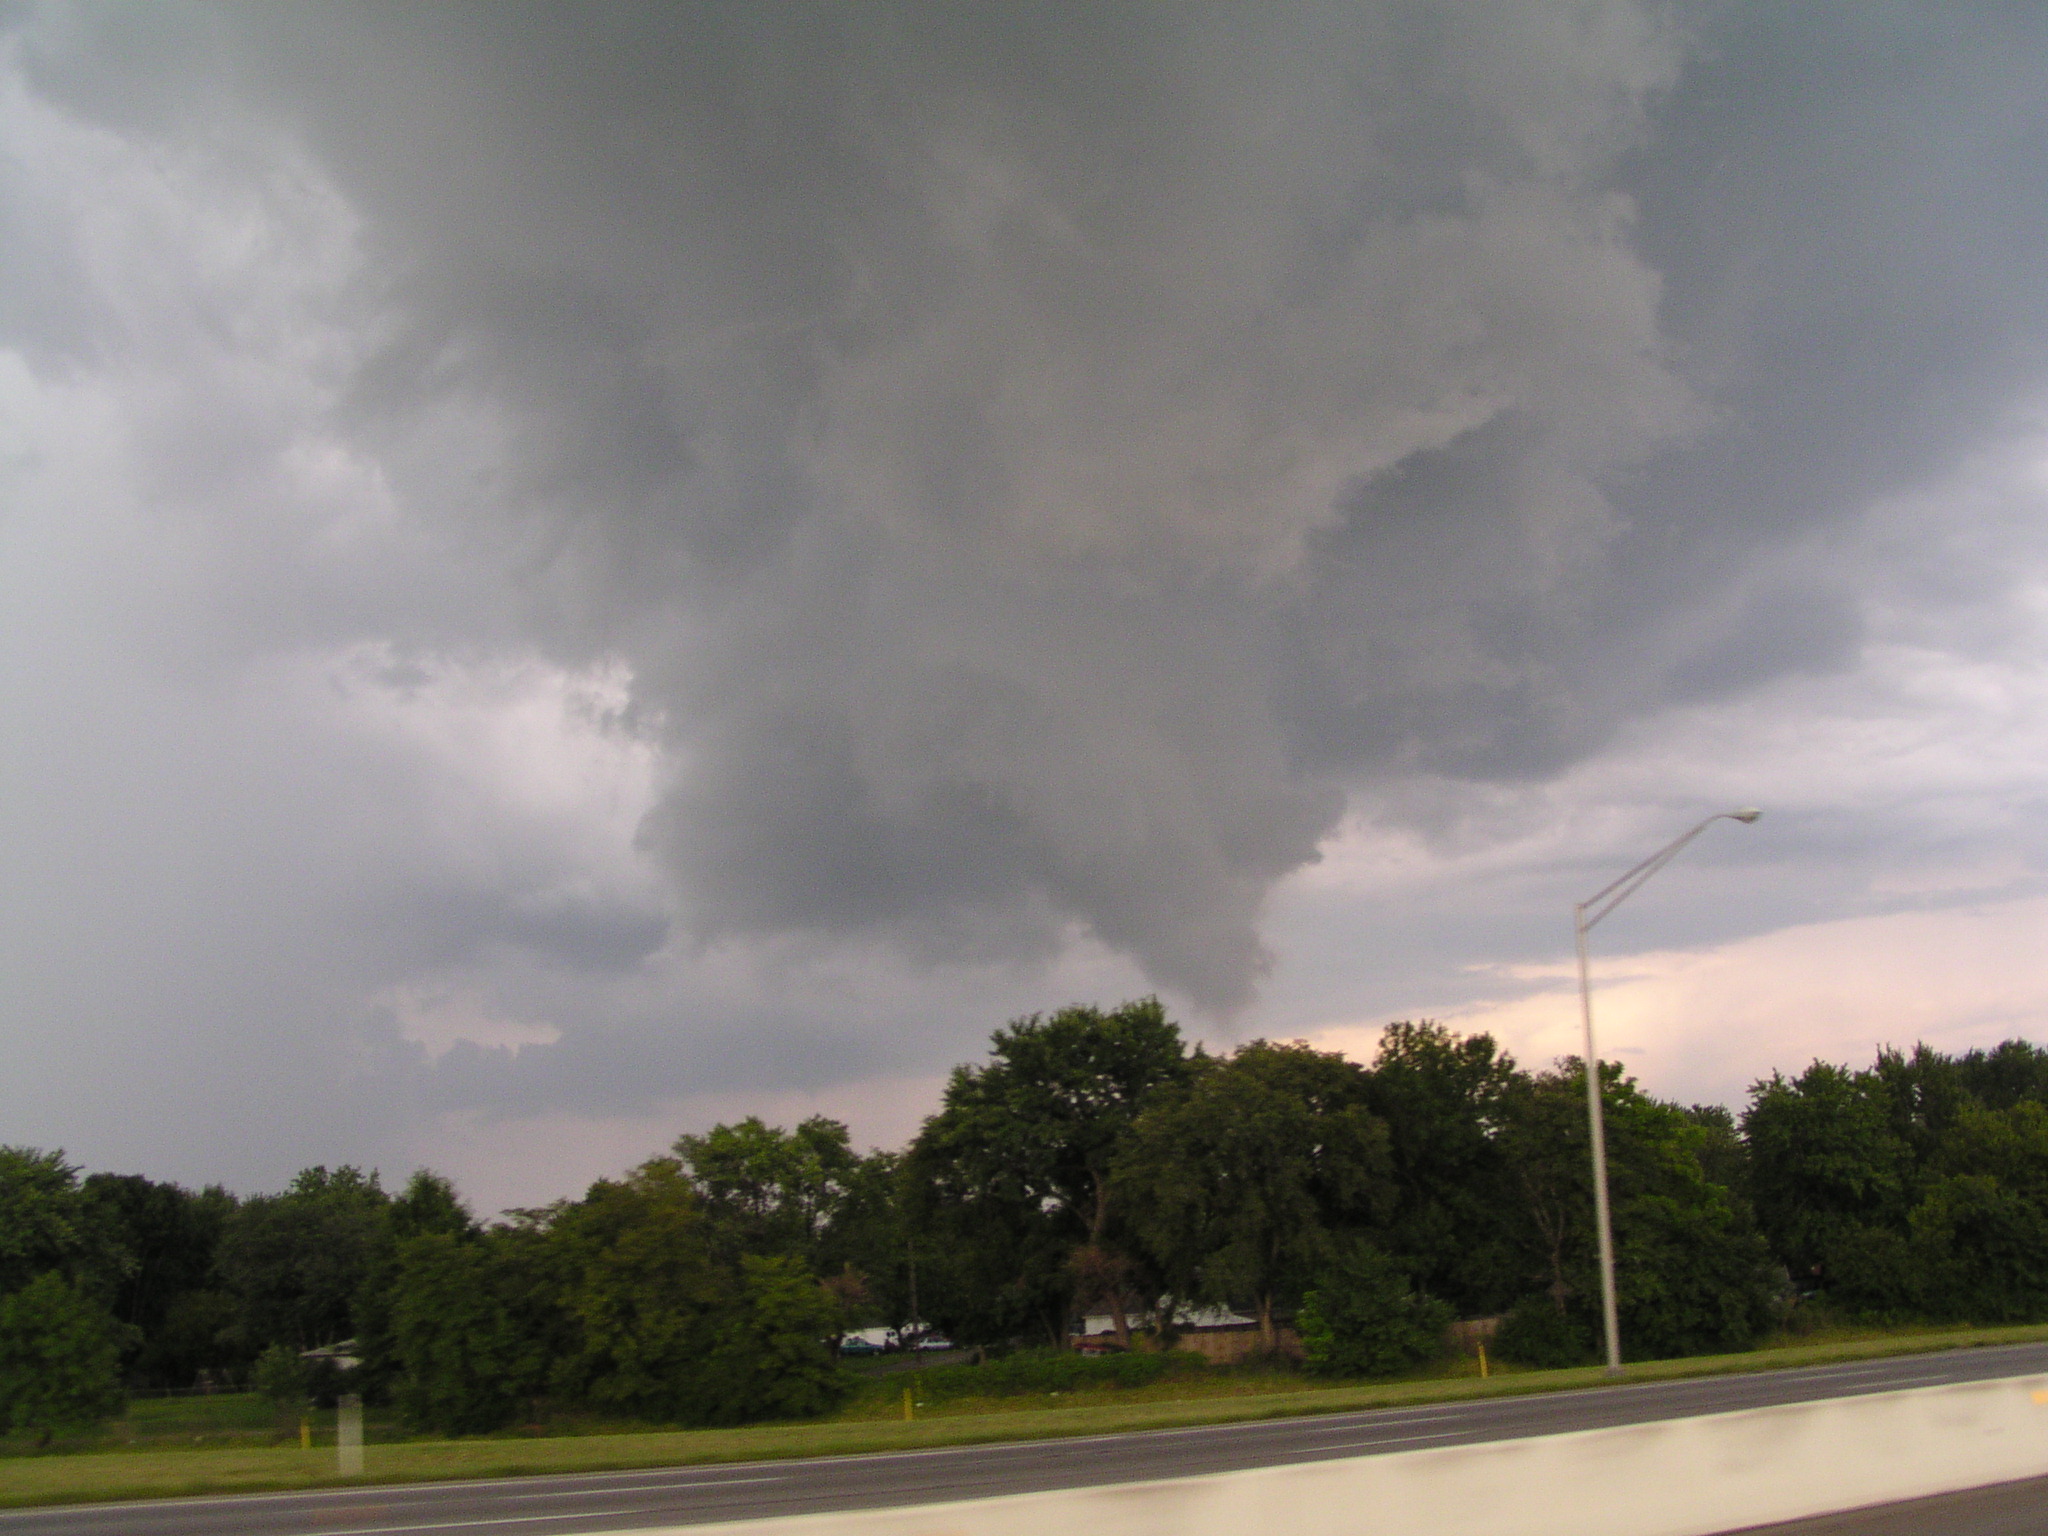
(2004, 1509)
(546, 1506)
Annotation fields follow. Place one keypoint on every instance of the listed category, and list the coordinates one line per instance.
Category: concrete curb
(1677, 1477)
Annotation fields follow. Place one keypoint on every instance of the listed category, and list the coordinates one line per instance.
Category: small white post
(348, 1435)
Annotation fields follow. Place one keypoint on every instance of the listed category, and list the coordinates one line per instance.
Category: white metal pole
(1610, 1317)
(1599, 906)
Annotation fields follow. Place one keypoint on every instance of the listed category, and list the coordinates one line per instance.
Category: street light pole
(1603, 1224)
(1584, 915)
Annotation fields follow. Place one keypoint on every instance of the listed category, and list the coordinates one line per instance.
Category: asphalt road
(2005, 1509)
(623, 1501)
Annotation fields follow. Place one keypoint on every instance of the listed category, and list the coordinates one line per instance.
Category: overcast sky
(569, 572)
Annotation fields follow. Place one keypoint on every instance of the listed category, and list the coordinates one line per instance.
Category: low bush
(1030, 1372)
(1365, 1318)
(281, 1376)
(1535, 1332)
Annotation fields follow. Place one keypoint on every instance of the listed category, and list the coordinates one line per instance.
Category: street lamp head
(1747, 814)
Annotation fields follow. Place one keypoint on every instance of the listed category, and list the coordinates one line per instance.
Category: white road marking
(668, 1487)
(449, 1525)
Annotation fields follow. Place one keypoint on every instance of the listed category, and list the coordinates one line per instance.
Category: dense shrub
(59, 1352)
(1982, 1250)
(1030, 1372)
(773, 1360)
(281, 1376)
(1695, 1277)
(467, 1359)
(1537, 1332)
(1364, 1318)
(624, 1302)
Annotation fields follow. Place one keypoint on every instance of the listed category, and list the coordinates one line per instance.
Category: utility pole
(1584, 915)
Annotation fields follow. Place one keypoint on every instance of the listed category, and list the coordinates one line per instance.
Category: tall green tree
(1917, 1188)
(1723, 1154)
(1440, 1095)
(771, 1191)
(1924, 1093)
(297, 1261)
(470, 1342)
(201, 1332)
(630, 1300)
(1241, 1182)
(429, 1202)
(47, 1224)
(646, 1295)
(1829, 1159)
(1018, 1161)
(1691, 1271)
(169, 1295)
(984, 1269)
(1978, 1236)
(429, 1205)
(773, 1359)
(2010, 1073)
(867, 1255)
(60, 1352)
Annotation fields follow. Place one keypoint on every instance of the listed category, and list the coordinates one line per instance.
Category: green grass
(238, 1419)
(148, 1469)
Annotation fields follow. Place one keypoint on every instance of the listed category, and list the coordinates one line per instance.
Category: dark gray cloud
(966, 484)
(971, 387)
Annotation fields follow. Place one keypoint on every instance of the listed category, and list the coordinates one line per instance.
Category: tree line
(1094, 1163)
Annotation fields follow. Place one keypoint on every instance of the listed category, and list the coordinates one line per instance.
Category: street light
(1584, 916)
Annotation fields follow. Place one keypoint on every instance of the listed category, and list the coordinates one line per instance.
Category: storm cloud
(567, 554)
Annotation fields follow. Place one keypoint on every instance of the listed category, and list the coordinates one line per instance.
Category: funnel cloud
(574, 558)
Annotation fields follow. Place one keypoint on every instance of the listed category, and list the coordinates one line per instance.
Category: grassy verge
(158, 1473)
